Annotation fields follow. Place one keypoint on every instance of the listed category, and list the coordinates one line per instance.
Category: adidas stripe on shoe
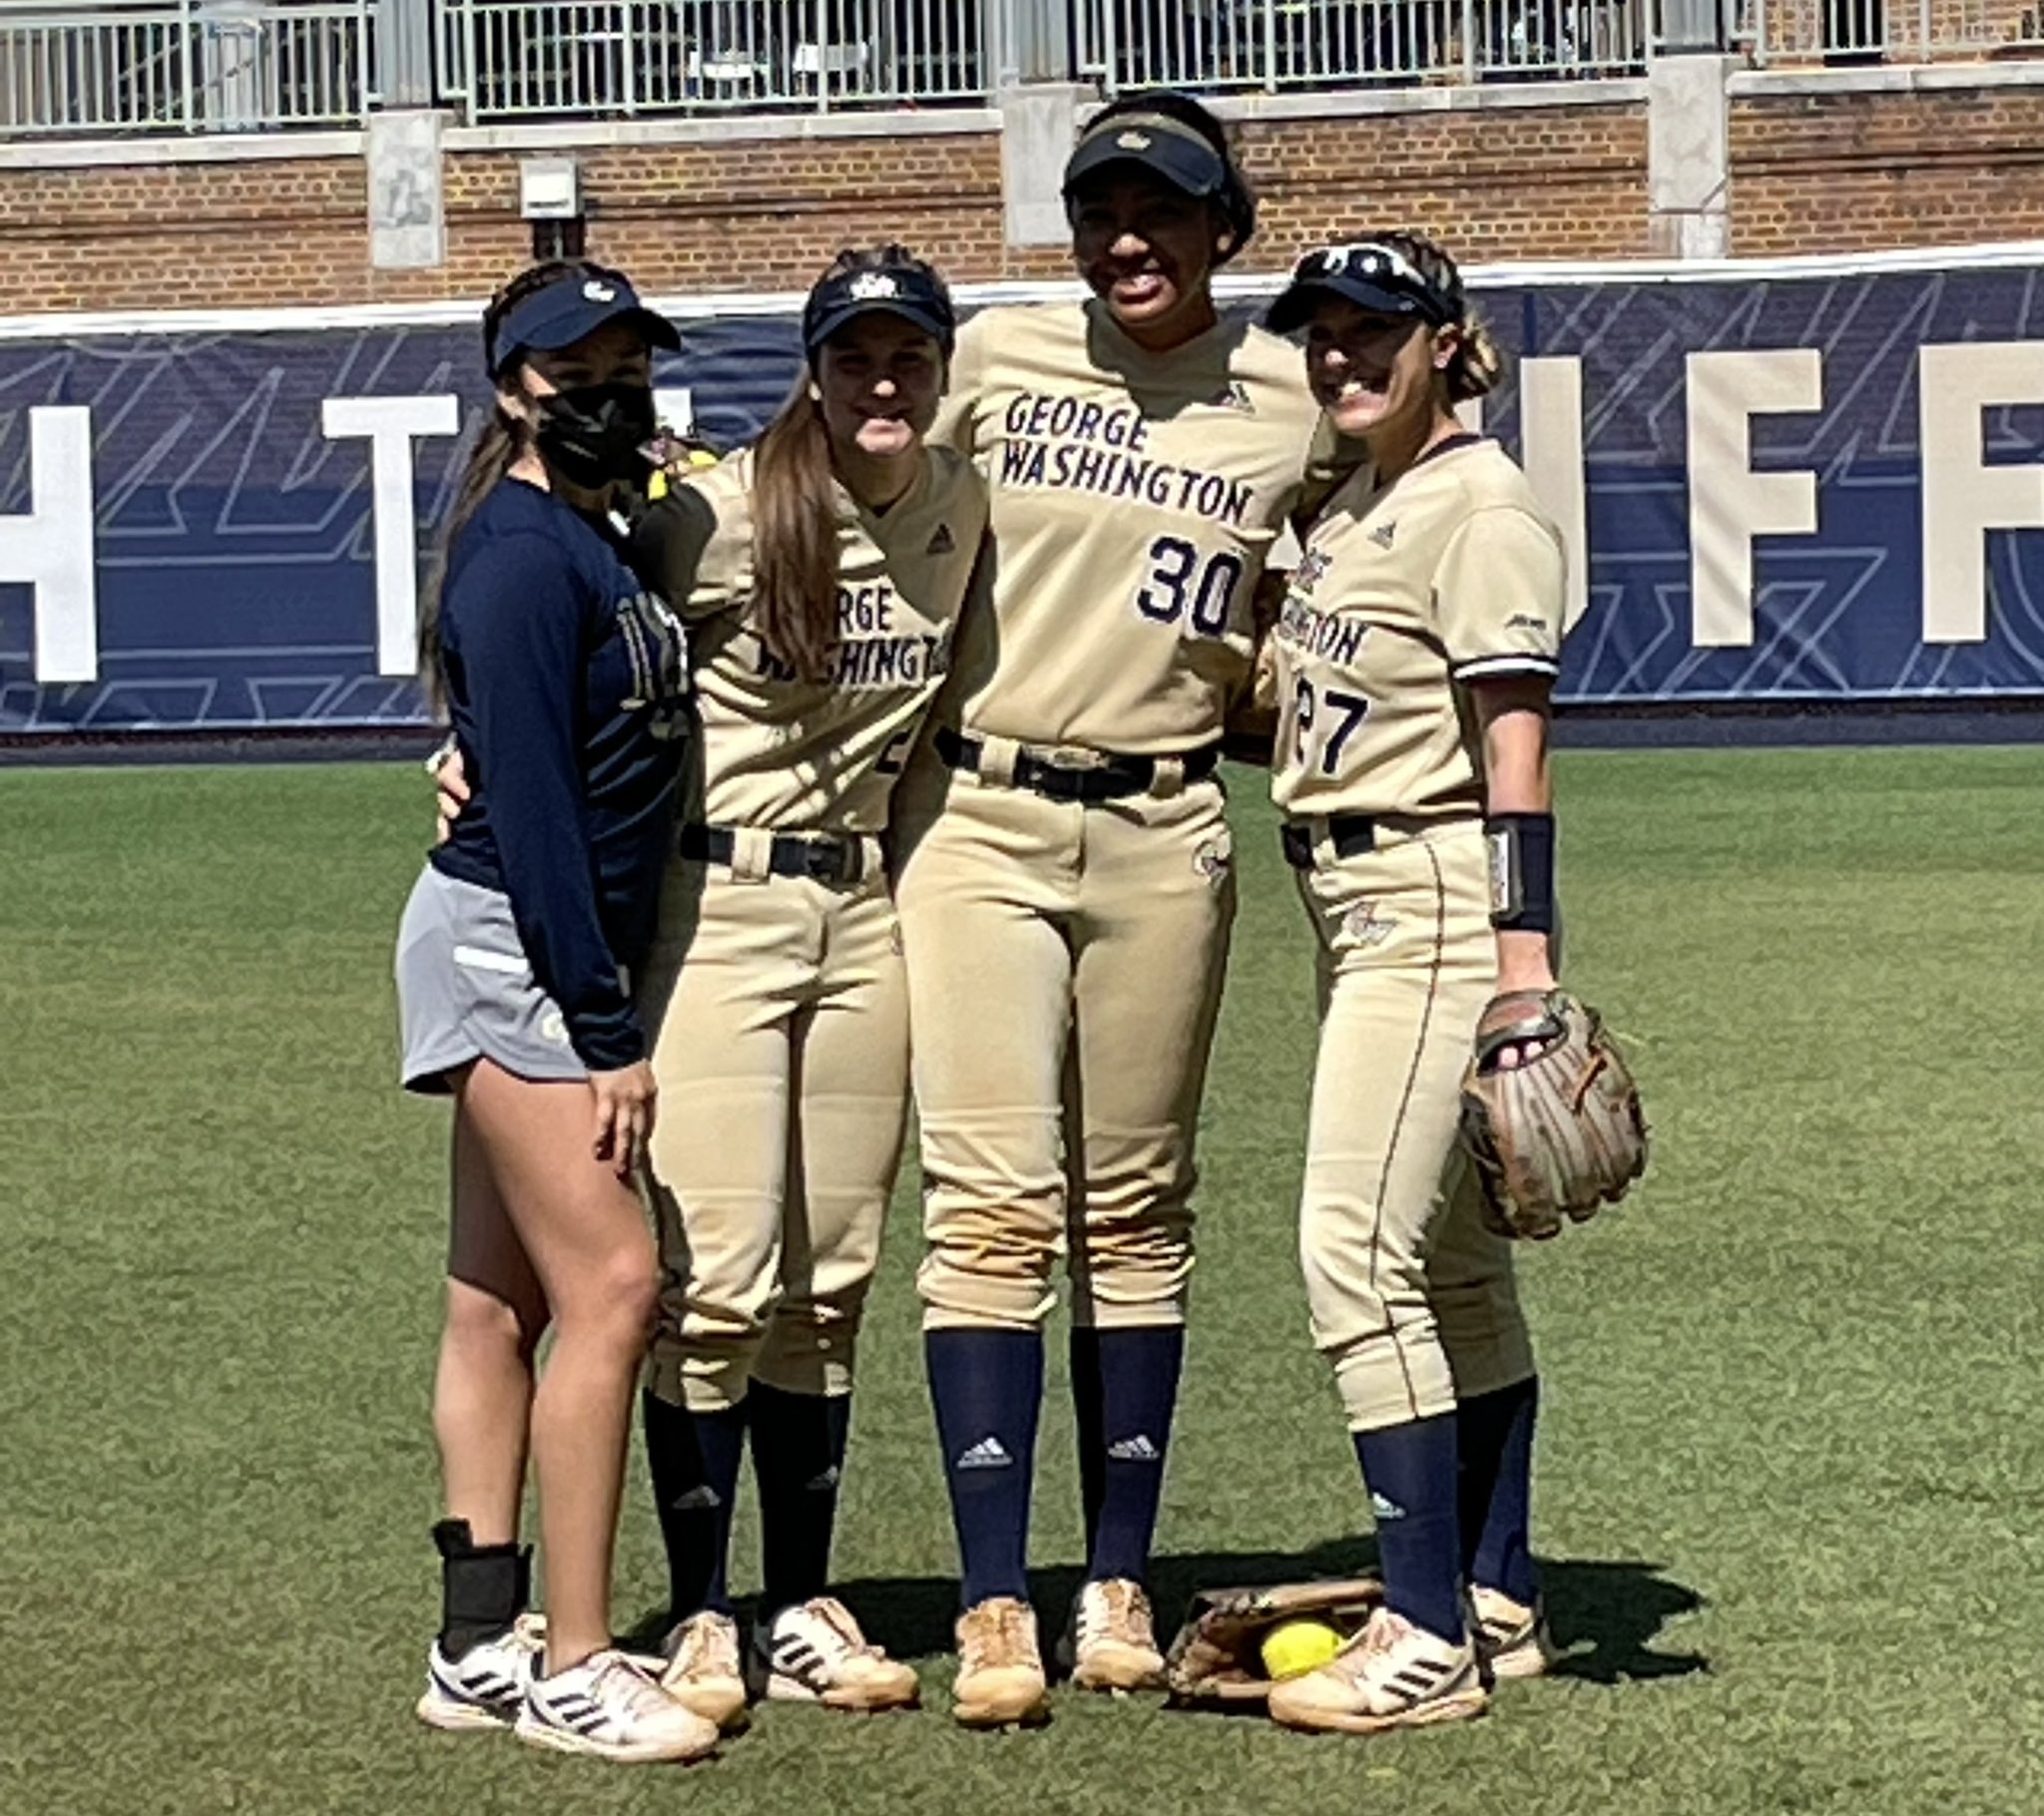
(1112, 1641)
(609, 1707)
(485, 1687)
(816, 1653)
(1392, 1675)
(1511, 1636)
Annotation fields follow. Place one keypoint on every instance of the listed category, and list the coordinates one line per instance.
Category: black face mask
(591, 435)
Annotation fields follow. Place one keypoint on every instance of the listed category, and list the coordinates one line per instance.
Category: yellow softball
(1293, 1648)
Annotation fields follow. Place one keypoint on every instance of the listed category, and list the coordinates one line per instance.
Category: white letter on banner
(51, 548)
(1729, 503)
(1551, 439)
(1963, 497)
(392, 424)
(1551, 452)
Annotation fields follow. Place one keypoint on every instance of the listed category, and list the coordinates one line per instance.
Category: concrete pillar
(1688, 159)
(1039, 122)
(407, 209)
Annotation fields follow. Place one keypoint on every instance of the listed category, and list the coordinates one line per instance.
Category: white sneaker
(815, 1653)
(610, 1708)
(485, 1686)
(1391, 1674)
(1112, 1642)
(703, 1670)
(1511, 1637)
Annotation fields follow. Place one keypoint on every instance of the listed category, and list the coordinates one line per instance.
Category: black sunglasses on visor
(1370, 275)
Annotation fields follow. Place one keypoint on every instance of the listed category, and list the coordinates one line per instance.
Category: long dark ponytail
(795, 536)
(493, 453)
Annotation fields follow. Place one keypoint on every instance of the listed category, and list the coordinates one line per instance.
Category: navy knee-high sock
(693, 1460)
(1495, 1435)
(1124, 1390)
(798, 1459)
(1411, 1472)
(987, 1387)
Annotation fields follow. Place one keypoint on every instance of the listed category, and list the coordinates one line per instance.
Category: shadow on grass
(1605, 1613)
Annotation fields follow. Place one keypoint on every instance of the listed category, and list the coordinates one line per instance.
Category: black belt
(1351, 835)
(1112, 779)
(823, 857)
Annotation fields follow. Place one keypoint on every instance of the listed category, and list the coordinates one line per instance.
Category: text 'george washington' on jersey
(1135, 499)
(779, 752)
(1448, 575)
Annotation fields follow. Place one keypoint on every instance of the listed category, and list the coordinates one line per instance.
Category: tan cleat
(1511, 1639)
(1390, 1675)
(1000, 1668)
(1111, 1644)
(703, 1671)
(815, 1653)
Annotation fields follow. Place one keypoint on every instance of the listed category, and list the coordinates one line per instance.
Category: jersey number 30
(1173, 592)
(1352, 707)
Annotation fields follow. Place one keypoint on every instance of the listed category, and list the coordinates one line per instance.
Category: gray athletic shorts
(465, 992)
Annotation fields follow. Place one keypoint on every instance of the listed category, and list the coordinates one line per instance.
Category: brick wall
(1517, 182)
(1809, 173)
(766, 213)
(1797, 31)
(1854, 172)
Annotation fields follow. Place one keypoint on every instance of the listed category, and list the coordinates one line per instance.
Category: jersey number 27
(1307, 702)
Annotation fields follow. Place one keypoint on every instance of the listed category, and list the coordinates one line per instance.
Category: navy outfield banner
(1778, 485)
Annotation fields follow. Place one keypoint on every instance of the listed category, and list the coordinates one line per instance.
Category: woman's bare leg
(585, 1233)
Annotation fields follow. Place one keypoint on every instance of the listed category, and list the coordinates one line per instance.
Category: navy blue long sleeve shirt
(566, 682)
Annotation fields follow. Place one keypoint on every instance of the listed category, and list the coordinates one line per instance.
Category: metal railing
(520, 58)
(186, 65)
(1279, 44)
(190, 66)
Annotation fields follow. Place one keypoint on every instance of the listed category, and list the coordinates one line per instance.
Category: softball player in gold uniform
(823, 571)
(1066, 890)
(1413, 658)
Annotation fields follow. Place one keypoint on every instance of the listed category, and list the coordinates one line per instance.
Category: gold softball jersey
(1402, 594)
(787, 755)
(1406, 592)
(1135, 499)
(781, 1000)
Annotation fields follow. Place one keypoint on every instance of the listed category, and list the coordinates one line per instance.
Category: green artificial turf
(1791, 1468)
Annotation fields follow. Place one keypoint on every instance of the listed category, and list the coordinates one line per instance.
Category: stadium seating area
(125, 67)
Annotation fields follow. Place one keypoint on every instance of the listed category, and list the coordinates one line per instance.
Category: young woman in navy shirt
(563, 683)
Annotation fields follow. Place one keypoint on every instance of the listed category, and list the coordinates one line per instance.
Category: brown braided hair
(1478, 362)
